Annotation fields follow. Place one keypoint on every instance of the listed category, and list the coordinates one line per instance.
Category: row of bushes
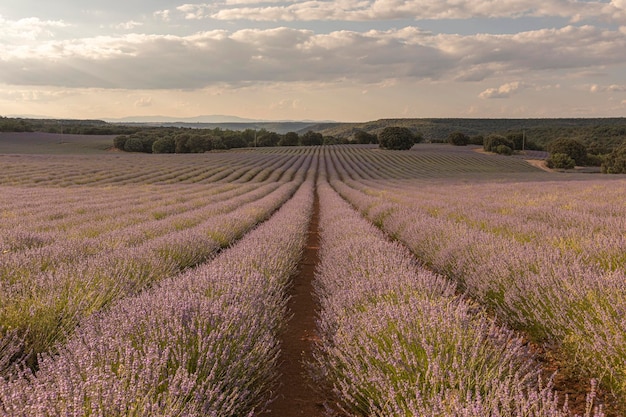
(204, 140)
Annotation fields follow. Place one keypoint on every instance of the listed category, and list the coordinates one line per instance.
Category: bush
(133, 144)
(615, 162)
(164, 145)
(397, 138)
(477, 140)
(364, 137)
(560, 161)
(311, 138)
(458, 139)
(571, 147)
(492, 142)
(503, 150)
(120, 141)
(290, 139)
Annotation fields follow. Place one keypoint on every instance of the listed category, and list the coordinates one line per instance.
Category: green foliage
(503, 150)
(477, 140)
(570, 147)
(268, 139)
(119, 142)
(133, 144)
(492, 142)
(397, 138)
(364, 137)
(164, 145)
(615, 162)
(289, 139)
(458, 139)
(560, 161)
(311, 138)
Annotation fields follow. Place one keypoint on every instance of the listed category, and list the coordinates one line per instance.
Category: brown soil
(296, 395)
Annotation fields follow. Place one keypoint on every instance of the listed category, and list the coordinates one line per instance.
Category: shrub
(615, 162)
(133, 144)
(492, 142)
(363, 137)
(503, 150)
(458, 139)
(290, 139)
(120, 141)
(560, 161)
(311, 138)
(164, 145)
(398, 138)
(571, 147)
(477, 140)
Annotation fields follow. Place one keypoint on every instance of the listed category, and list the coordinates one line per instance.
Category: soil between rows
(296, 395)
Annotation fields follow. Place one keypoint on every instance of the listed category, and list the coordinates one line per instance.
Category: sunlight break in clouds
(504, 91)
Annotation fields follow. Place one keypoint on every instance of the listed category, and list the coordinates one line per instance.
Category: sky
(346, 60)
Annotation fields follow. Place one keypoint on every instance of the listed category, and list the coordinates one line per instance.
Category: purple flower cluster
(50, 281)
(547, 257)
(201, 343)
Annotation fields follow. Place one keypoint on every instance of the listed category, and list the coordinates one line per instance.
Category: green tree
(571, 147)
(133, 144)
(397, 138)
(164, 145)
(268, 139)
(364, 137)
(119, 142)
(458, 139)
(311, 138)
(560, 161)
(289, 139)
(615, 162)
(491, 143)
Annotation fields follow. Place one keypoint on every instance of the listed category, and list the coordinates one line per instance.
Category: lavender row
(203, 343)
(557, 295)
(123, 169)
(396, 341)
(45, 309)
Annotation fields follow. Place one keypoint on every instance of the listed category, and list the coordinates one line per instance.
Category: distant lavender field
(134, 284)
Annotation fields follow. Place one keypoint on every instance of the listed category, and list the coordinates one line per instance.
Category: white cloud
(128, 25)
(28, 29)
(365, 10)
(613, 88)
(504, 91)
(286, 54)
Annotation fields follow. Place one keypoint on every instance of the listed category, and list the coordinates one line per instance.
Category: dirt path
(296, 396)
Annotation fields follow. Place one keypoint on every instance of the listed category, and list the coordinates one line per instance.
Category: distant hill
(608, 131)
(601, 133)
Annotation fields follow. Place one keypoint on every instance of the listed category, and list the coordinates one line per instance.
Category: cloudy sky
(346, 60)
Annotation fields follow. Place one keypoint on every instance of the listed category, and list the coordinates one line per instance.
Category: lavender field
(135, 284)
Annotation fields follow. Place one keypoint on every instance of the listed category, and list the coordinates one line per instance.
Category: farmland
(157, 284)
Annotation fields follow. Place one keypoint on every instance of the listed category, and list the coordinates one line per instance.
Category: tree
(560, 161)
(397, 138)
(120, 141)
(363, 137)
(491, 143)
(164, 145)
(311, 138)
(570, 147)
(615, 162)
(268, 139)
(133, 144)
(458, 139)
(289, 139)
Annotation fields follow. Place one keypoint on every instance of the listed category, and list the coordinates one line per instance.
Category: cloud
(368, 10)
(144, 102)
(613, 88)
(282, 54)
(504, 91)
(28, 29)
